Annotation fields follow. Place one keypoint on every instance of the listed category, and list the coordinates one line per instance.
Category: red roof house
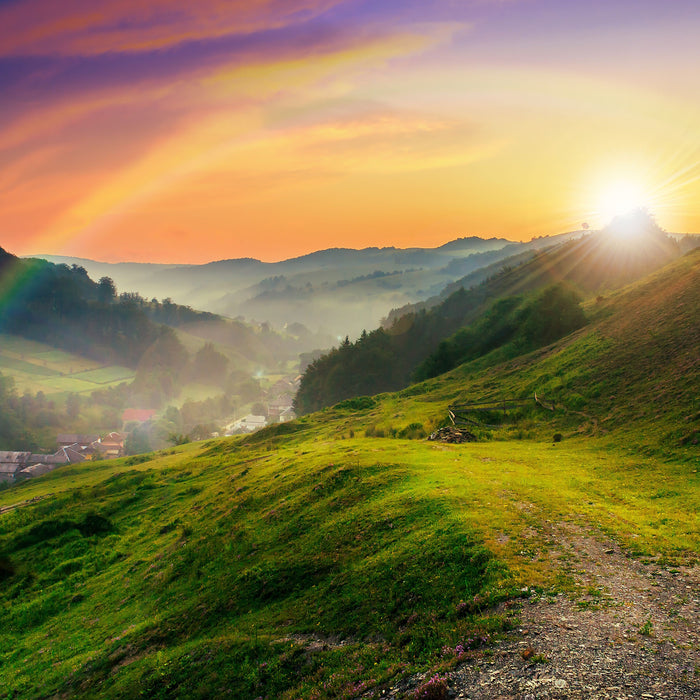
(140, 415)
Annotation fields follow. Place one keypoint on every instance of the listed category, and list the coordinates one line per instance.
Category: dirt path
(21, 504)
(635, 634)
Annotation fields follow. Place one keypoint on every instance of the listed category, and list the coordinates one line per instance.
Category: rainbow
(18, 279)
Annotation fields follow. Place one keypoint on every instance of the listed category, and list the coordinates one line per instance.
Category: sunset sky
(180, 131)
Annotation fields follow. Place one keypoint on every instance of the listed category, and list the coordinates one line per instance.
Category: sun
(621, 198)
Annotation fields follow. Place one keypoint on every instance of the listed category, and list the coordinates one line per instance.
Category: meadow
(37, 367)
(214, 566)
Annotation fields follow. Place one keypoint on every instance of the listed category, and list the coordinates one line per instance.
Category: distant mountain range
(338, 291)
(403, 349)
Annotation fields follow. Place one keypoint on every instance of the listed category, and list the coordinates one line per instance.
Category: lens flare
(620, 199)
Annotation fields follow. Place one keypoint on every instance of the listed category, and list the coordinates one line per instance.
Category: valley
(344, 555)
(349, 350)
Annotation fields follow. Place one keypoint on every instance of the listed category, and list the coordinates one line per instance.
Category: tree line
(62, 306)
(428, 343)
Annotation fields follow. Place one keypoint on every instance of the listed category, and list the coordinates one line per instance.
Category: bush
(433, 689)
(575, 402)
(94, 524)
(45, 530)
(7, 569)
(359, 403)
(413, 431)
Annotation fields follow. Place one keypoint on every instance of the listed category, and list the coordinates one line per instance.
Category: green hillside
(337, 557)
(37, 366)
(389, 358)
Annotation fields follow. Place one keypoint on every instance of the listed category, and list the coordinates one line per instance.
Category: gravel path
(635, 634)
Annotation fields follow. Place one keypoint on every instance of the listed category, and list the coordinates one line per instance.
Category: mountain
(335, 291)
(59, 303)
(387, 358)
(686, 242)
(46, 302)
(317, 559)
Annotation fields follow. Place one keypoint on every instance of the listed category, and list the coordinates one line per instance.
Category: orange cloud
(46, 27)
(280, 144)
(223, 120)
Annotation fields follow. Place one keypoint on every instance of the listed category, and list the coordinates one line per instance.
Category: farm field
(39, 367)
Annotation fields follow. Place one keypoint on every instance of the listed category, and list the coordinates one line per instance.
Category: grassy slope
(225, 562)
(39, 367)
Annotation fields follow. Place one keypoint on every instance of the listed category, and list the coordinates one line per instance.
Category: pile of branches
(452, 434)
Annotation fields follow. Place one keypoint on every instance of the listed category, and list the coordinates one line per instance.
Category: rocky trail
(634, 633)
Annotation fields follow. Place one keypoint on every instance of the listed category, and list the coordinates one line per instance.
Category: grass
(106, 375)
(310, 561)
(38, 367)
(225, 560)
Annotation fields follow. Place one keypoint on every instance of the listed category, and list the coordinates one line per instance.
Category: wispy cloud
(84, 27)
(249, 121)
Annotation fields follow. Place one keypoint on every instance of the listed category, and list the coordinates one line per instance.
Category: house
(137, 415)
(287, 415)
(66, 439)
(15, 466)
(248, 424)
(11, 463)
(110, 446)
(55, 459)
(278, 405)
(282, 386)
(36, 470)
(70, 454)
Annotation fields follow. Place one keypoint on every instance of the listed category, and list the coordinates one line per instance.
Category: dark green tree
(209, 365)
(106, 290)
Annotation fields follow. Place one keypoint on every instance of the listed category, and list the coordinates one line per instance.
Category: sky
(180, 131)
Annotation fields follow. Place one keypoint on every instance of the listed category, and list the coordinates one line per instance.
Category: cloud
(142, 140)
(88, 28)
(44, 95)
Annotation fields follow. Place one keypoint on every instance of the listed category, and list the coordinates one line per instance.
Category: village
(280, 409)
(72, 448)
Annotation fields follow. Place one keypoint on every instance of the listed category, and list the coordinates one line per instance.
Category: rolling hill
(337, 557)
(387, 359)
(336, 291)
(66, 339)
(37, 367)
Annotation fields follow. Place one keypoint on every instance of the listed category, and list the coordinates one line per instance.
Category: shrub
(413, 431)
(575, 401)
(7, 569)
(41, 532)
(359, 403)
(434, 689)
(94, 524)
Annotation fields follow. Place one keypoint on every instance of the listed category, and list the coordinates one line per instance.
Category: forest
(61, 306)
(385, 361)
(418, 343)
